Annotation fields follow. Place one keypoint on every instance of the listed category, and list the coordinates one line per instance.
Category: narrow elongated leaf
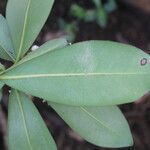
(45, 48)
(2, 68)
(6, 46)
(1, 85)
(0, 95)
(25, 21)
(26, 129)
(102, 126)
(87, 73)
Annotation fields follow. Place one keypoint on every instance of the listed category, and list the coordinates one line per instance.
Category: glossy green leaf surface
(25, 19)
(102, 126)
(26, 129)
(6, 46)
(88, 73)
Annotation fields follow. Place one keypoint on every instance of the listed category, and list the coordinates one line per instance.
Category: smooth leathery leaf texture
(45, 48)
(102, 126)
(87, 73)
(26, 129)
(25, 21)
(6, 46)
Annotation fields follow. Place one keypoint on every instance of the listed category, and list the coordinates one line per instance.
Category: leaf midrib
(24, 60)
(23, 117)
(23, 30)
(100, 122)
(6, 77)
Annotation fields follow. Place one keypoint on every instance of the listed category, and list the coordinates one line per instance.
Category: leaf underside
(2, 68)
(6, 46)
(90, 73)
(26, 129)
(1, 85)
(102, 126)
(85, 74)
(26, 25)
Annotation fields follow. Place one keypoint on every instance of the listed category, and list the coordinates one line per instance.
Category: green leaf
(88, 73)
(110, 6)
(102, 126)
(98, 3)
(69, 28)
(1, 85)
(45, 48)
(77, 11)
(102, 17)
(26, 129)
(2, 68)
(6, 46)
(0, 95)
(25, 21)
(90, 15)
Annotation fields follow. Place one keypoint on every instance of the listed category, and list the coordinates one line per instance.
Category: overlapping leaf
(6, 46)
(26, 129)
(25, 19)
(102, 126)
(1, 85)
(2, 68)
(45, 48)
(87, 73)
(0, 95)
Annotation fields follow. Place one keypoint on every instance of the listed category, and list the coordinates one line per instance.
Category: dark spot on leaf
(143, 61)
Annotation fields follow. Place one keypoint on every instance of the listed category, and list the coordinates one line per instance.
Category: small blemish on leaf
(143, 61)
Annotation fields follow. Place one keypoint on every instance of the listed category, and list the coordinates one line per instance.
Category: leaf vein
(92, 116)
(24, 121)
(70, 75)
(23, 30)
